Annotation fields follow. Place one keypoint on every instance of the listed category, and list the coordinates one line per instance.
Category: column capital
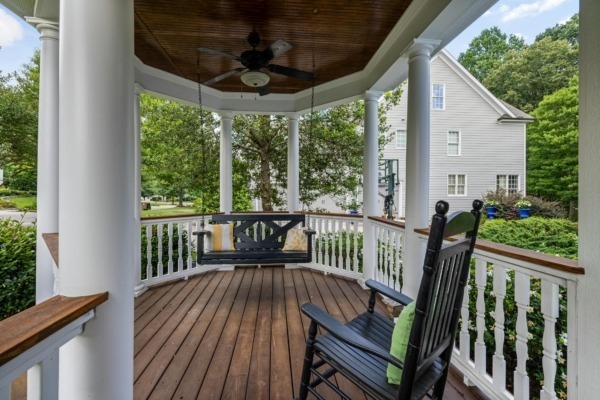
(226, 114)
(47, 29)
(372, 95)
(292, 115)
(422, 47)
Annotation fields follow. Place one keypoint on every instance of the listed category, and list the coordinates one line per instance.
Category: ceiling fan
(255, 60)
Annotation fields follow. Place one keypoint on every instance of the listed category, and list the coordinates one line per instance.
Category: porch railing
(519, 308)
(34, 336)
(168, 248)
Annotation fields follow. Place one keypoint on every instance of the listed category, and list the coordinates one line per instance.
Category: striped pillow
(220, 237)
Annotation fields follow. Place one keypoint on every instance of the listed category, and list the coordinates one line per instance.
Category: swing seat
(258, 239)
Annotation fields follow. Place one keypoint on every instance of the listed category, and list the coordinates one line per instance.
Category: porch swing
(251, 239)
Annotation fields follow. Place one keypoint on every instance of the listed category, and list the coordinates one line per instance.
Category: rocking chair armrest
(388, 292)
(347, 335)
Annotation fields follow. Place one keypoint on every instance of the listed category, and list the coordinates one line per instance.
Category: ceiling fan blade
(263, 90)
(292, 72)
(276, 48)
(219, 53)
(223, 76)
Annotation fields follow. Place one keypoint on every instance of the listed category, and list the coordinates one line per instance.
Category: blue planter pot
(491, 212)
(524, 212)
(353, 212)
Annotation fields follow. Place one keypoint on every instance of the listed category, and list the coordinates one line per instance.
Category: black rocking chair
(360, 349)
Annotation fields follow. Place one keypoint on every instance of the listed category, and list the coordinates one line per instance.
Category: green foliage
(19, 124)
(17, 267)
(552, 144)
(7, 204)
(486, 52)
(568, 31)
(15, 192)
(526, 76)
(25, 203)
(551, 236)
(165, 252)
(172, 147)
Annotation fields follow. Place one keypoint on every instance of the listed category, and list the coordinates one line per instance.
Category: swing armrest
(200, 243)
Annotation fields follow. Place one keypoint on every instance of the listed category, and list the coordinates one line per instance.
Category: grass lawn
(24, 203)
(169, 211)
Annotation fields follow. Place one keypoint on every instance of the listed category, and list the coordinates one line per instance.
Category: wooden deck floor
(237, 335)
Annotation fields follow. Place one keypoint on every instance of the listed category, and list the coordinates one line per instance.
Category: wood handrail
(391, 222)
(51, 240)
(179, 216)
(531, 256)
(28, 328)
(324, 214)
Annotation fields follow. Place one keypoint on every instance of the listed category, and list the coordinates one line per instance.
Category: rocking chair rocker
(360, 349)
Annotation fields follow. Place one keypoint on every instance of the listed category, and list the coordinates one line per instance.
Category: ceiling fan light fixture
(255, 78)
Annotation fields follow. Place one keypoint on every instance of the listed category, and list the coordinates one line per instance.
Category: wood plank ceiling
(342, 36)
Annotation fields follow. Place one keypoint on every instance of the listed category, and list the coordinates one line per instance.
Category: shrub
(552, 236)
(507, 205)
(14, 192)
(17, 267)
(7, 204)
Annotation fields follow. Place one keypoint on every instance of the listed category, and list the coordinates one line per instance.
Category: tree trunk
(181, 194)
(265, 182)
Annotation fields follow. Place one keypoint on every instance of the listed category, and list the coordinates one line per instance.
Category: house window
(454, 143)
(510, 183)
(457, 185)
(401, 139)
(437, 96)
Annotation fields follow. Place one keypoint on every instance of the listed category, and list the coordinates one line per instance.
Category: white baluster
(180, 246)
(465, 337)
(170, 249)
(550, 313)
(499, 365)
(348, 266)
(340, 246)
(149, 251)
(320, 226)
(189, 244)
(380, 251)
(522, 298)
(398, 261)
(333, 241)
(159, 229)
(480, 281)
(326, 229)
(388, 267)
(355, 269)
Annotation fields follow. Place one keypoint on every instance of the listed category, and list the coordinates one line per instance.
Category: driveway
(28, 218)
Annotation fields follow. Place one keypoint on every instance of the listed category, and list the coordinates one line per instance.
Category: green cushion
(400, 338)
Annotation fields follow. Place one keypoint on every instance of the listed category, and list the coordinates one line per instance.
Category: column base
(138, 290)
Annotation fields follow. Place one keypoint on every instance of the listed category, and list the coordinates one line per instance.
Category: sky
(525, 18)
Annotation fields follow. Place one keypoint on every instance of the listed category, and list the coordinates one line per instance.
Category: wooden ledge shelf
(30, 327)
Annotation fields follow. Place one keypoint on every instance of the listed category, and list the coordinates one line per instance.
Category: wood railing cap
(28, 328)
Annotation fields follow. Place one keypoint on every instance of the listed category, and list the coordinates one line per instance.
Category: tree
(486, 52)
(552, 140)
(330, 152)
(172, 148)
(526, 76)
(568, 31)
(19, 125)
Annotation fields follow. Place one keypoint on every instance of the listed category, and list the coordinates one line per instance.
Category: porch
(238, 334)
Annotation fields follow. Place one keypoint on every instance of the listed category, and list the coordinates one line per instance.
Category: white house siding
(488, 147)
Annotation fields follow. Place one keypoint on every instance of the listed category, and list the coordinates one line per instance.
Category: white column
(293, 178)
(139, 287)
(96, 217)
(417, 160)
(47, 182)
(39, 378)
(587, 342)
(226, 167)
(370, 184)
